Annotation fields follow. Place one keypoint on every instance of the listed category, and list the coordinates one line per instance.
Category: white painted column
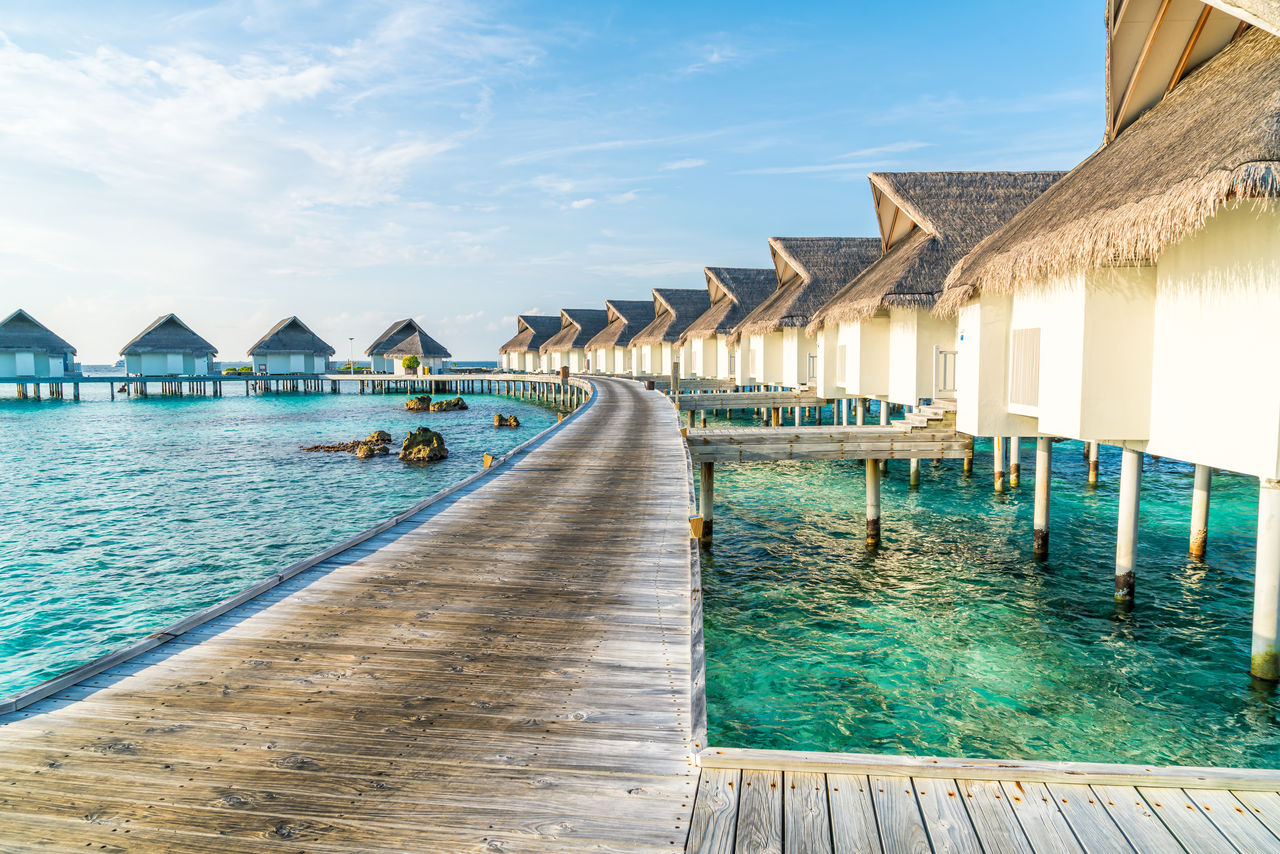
(997, 462)
(1265, 659)
(1044, 471)
(1093, 463)
(1127, 527)
(914, 479)
(1200, 511)
(884, 412)
(1015, 460)
(798, 410)
(707, 497)
(873, 502)
(860, 411)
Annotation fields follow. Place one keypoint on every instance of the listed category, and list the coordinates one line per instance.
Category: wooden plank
(760, 813)
(1245, 779)
(993, 818)
(1189, 825)
(898, 815)
(1234, 821)
(1144, 830)
(807, 820)
(1089, 819)
(1041, 820)
(946, 819)
(853, 817)
(1264, 806)
(715, 813)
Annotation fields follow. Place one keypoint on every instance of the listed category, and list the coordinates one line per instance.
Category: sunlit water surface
(951, 640)
(119, 518)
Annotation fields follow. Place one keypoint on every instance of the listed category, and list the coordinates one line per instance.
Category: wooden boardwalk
(508, 670)
(786, 804)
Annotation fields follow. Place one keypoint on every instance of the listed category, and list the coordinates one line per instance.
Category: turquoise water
(120, 518)
(951, 640)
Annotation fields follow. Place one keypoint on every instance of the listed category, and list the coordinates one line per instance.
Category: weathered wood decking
(509, 670)
(808, 808)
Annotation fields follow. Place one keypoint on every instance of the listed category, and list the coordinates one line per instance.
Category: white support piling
(914, 478)
(1044, 472)
(997, 460)
(1200, 511)
(873, 503)
(1127, 525)
(1093, 463)
(860, 412)
(1265, 659)
(1015, 461)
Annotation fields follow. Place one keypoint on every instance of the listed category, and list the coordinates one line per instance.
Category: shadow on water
(951, 639)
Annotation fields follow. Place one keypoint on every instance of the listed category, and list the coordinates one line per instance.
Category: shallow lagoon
(121, 517)
(951, 640)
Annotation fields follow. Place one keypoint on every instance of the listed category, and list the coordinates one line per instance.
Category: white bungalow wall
(765, 359)
(1215, 329)
(982, 370)
(28, 363)
(704, 357)
(797, 369)
(913, 334)
(726, 366)
(866, 356)
(829, 371)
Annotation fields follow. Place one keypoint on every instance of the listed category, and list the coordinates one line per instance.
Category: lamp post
(351, 354)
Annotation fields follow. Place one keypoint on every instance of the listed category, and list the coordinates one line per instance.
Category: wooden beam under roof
(1137, 71)
(1191, 46)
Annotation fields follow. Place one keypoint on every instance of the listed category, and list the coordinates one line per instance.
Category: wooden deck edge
(1243, 779)
(697, 640)
(55, 684)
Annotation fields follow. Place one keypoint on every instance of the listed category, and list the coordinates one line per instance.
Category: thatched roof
(626, 318)
(673, 310)
(291, 335)
(532, 331)
(168, 334)
(811, 270)
(577, 327)
(734, 293)
(949, 213)
(21, 331)
(1213, 140)
(407, 338)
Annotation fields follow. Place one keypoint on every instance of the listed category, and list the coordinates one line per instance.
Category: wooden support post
(1265, 659)
(1093, 463)
(968, 462)
(704, 418)
(997, 462)
(75, 391)
(1127, 527)
(914, 479)
(1015, 461)
(777, 416)
(873, 503)
(692, 417)
(1200, 511)
(707, 497)
(1044, 472)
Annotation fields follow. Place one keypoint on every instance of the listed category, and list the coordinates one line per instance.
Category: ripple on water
(123, 517)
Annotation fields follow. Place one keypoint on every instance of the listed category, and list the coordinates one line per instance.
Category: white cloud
(891, 148)
(687, 163)
(623, 198)
(579, 204)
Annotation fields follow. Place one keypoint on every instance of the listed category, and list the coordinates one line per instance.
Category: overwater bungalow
(521, 353)
(402, 339)
(734, 293)
(674, 309)
(168, 347)
(290, 347)
(568, 347)
(878, 337)
(773, 348)
(610, 351)
(28, 348)
(1145, 281)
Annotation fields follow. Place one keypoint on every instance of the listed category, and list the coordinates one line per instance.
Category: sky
(355, 163)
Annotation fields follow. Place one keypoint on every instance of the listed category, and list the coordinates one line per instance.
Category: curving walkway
(509, 670)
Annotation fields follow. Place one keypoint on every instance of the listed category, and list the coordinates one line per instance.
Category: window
(813, 366)
(1024, 380)
(733, 360)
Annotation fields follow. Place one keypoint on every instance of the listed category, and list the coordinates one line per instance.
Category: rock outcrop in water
(501, 420)
(452, 405)
(423, 445)
(375, 446)
(421, 403)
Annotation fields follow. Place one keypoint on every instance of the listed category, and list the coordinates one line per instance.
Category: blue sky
(358, 162)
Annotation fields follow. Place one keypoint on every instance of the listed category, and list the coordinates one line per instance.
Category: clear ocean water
(120, 518)
(951, 640)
